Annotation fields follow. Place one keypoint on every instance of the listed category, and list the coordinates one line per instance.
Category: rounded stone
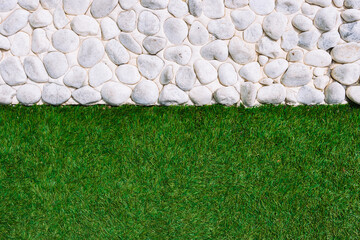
(65, 40)
(76, 7)
(56, 64)
(353, 93)
(85, 26)
(150, 66)
(148, 23)
(253, 33)
(205, 72)
(200, 96)
(128, 74)
(297, 75)
(127, 21)
(35, 70)
(227, 96)
(276, 68)
(346, 74)
(310, 96)
(76, 77)
(215, 50)
(20, 45)
(179, 54)
(175, 30)
(40, 18)
(329, 40)
(99, 74)
(30, 5)
(7, 94)
(117, 52)
(28, 94)
(318, 58)
(241, 52)
(251, 72)
(154, 4)
(15, 22)
(213, 8)
(167, 75)
(274, 94)
(12, 71)
(145, 93)
(7, 5)
(86, 95)
(274, 25)
(248, 92)
(302, 23)
(115, 94)
(350, 32)
(221, 28)
(242, 19)
(185, 78)
(325, 19)
(172, 95)
(130, 43)
(334, 93)
(262, 7)
(102, 8)
(287, 6)
(227, 74)
(178, 8)
(40, 43)
(109, 29)
(91, 52)
(346, 53)
(55, 94)
(154, 44)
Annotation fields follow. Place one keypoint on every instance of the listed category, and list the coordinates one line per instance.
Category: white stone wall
(175, 52)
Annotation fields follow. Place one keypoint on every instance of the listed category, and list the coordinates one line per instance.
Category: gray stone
(30, 5)
(178, 8)
(117, 52)
(242, 19)
(289, 40)
(129, 42)
(321, 3)
(251, 72)
(127, 21)
(148, 23)
(86, 95)
(128, 74)
(175, 30)
(185, 78)
(346, 74)
(76, 7)
(295, 55)
(262, 7)
(276, 68)
(268, 47)
(35, 70)
(115, 94)
(309, 39)
(55, 94)
(328, 40)
(4, 43)
(318, 58)
(15, 22)
(102, 8)
(154, 4)
(321, 82)
(325, 19)
(109, 28)
(213, 8)
(248, 92)
(353, 93)
(287, 6)
(99, 74)
(346, 53)
(302, 23)
(227, 96)
(7, 5)
(352, 4)
(334, 93)
(227, 74)
(297, 75)
(40, 18)
(167, 75)
(350, 32)
(85, 26)
(274, 94)
(91, 52)
(195, 7)
(310, 96)
(56, 64)
(172, 95)
(180, 54)
(12, 71)
(154, 44)
(205, 72)
(76, 77)
(200, 96)
(65, 40)
(50, 4)
(215, 50)
(145, 93)
(241, 52)
(150, 66)
(198, 34)
(7, 94)
(351, 15)
(274, 25)
(28, 94)
(233, 4)
(253, 33)
(221, 28)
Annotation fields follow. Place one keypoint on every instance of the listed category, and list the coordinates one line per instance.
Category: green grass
(180, 172)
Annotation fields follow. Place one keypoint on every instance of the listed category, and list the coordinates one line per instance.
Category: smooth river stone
(91, 52)
(55, 94)
(115, 94)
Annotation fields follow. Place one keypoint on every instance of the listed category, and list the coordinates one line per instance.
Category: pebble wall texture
(175, 52)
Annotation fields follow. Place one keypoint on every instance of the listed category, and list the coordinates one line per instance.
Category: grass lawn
(179, 172)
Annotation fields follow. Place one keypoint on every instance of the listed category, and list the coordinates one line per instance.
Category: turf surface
(180, 173)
